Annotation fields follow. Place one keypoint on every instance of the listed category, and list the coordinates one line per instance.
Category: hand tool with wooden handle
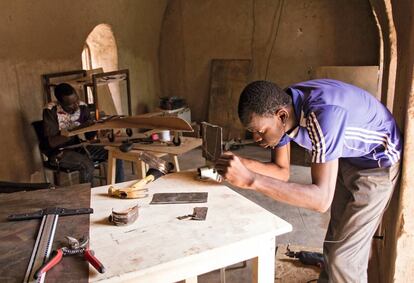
(137, 190)
(128, 192)
(158, 168)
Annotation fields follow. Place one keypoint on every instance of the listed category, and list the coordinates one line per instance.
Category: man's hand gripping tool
(74, 247)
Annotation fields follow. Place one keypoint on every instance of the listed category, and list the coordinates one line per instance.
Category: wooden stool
(133, 156)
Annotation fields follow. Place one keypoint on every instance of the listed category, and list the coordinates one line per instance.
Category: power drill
(308, 258)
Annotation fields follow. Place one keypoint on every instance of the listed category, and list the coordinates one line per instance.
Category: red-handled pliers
(75, 248)
(90, 257)
(55, 259)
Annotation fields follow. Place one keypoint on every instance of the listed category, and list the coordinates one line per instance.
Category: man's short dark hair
(263, 98)
(62, 90)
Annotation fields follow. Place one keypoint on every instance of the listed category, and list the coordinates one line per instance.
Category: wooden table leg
(176, 164)
(191, 280)
(110, 179)
(222, 275)
(141, 166)
(264, 264)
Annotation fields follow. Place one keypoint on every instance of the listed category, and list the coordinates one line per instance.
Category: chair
(54, 166)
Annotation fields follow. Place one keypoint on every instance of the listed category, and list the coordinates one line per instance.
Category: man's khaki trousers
(361, 196)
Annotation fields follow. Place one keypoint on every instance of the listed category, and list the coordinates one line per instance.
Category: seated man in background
(65, 113)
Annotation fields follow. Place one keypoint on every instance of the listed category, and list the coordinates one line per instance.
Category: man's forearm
(307, 196)
(268, 169)
(56, 141)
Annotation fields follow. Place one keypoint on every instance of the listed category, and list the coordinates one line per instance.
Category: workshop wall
(48, 36)
(397, 262)
(285, 40)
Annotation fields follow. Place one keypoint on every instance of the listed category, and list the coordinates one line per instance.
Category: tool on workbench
(158, 168)
(199, 213)
(212, 149)
(159, 138)
(208, 173)
(124, 217)
(305, 257)
(44, 240)
(75, 247)
(135, 191)
(171, 198)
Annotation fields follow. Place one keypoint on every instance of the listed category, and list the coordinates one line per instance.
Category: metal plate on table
(165, 198)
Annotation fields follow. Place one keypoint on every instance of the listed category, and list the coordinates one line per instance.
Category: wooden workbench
(160, 248)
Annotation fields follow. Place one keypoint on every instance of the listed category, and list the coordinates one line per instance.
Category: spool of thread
(165, 136)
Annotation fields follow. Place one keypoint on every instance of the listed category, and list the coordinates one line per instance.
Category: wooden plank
(228, 78)
(17, 238)
(158, 122)
(365, 77)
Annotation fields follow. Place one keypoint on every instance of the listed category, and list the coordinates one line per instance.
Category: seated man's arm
(51, 129)
(278, 168)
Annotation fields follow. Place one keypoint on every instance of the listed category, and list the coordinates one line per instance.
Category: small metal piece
(207, 173)
(185, 216)
(168, 198)
(199, 213)
(155, 162)
(74, 243)
(125, 217)
(288, 252)
(47, 211)
(212, 146)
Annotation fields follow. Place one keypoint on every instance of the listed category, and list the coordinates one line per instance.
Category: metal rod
(42, 247)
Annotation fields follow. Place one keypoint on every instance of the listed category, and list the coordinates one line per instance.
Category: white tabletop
(158, 239)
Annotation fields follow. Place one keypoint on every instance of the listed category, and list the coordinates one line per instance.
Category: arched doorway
(100, 51)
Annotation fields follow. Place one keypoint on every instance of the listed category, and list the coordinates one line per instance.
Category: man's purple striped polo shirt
(339, 120)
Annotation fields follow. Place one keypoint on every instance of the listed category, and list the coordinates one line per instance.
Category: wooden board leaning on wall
(228, 78)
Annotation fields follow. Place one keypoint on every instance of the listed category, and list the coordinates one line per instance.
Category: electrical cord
(252, 40)
(275, 36)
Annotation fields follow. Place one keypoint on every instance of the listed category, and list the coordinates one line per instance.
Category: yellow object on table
(137, 190)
